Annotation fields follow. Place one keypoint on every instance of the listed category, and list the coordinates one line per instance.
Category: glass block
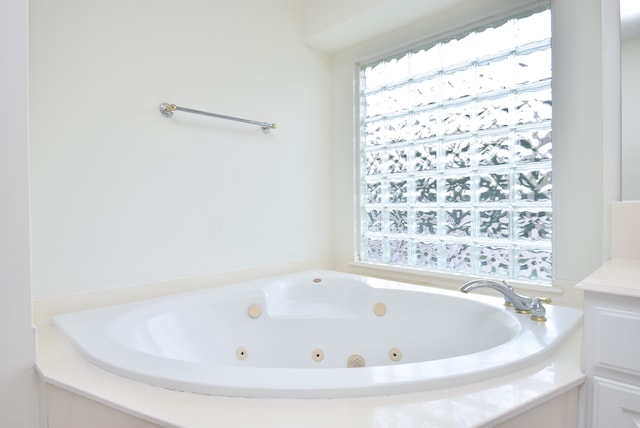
(396, 130)
(534, 264)
(457, 154)
(457, 257)
(534, 186)
(426, 190)
(399, 252)
(494, 40)
(458, 84)
(493, 187)
(425, 92)
(457, 189)
(374, 190)
(397, 69)
(374, 220)
(427, 222)
(535, 225)
(457, 120)
(426, 254)
(389, 131)
(533, 28)
(533, 146)
(396, 161)
(397, 192)
(494, 261)
(457, 222)
(493, 150)
(533, 107)
(533, 67)
(493, 113)
(375, 163)
(374, 76)
(426, 60)
(375, 251)
(458, 51)
(396, 99)
(424, 125)
(375, 104)
(494, 75)
(425, 157)
(494, 224)
(398, 221)
(374, 133)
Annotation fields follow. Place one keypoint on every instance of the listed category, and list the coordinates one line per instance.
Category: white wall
(585, 145)
(122, 195)
(630, 112)
(332, 25)
(18, 398)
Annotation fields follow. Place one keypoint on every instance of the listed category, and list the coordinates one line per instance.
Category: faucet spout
(521, 304)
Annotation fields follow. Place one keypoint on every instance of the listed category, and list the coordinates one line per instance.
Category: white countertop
(476, 405)
(617, 276)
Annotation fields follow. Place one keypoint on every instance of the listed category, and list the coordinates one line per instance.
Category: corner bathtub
(314, 334)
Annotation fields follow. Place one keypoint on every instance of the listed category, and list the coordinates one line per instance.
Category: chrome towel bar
(167, 110)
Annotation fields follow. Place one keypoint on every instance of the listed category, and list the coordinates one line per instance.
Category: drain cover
(355, 361)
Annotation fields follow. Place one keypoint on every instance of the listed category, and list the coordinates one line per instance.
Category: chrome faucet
(521, 304)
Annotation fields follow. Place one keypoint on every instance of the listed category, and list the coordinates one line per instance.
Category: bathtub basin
(314, 334)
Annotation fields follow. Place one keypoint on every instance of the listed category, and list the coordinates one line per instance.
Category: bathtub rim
(355, 378)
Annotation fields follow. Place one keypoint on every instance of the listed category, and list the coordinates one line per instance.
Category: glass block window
(455, 154)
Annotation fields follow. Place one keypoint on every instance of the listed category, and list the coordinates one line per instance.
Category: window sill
(439, 279)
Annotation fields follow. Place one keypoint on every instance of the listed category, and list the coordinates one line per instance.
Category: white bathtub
(296, 335)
